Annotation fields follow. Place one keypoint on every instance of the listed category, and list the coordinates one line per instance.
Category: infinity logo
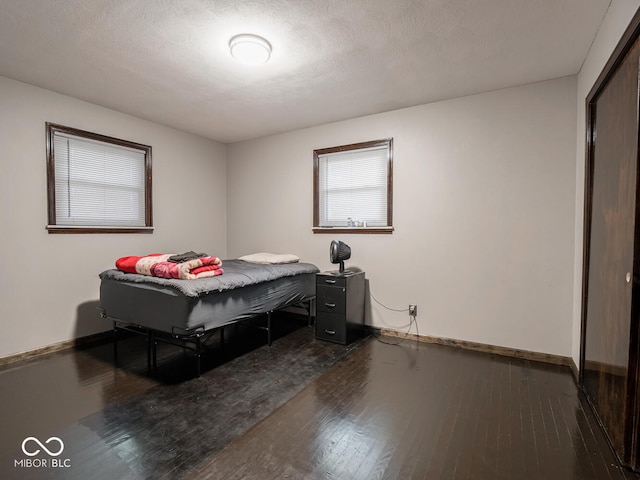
(37, 451)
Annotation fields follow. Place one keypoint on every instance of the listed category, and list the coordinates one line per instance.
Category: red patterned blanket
(157, 265)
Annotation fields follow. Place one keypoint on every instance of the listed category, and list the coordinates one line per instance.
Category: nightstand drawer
(331, 280)
(330, 299)
(331, 327)
(340, 306)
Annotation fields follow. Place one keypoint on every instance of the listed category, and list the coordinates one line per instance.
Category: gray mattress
(244, 290)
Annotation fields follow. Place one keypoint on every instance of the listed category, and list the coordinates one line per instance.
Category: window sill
(94, 229)
(378, 230)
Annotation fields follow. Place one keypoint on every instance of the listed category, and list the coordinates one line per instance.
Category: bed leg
(269, 328)
(198, 359)
(154, 355)
(310, 307)
(149, 348)
(221, 336)
(115, 344)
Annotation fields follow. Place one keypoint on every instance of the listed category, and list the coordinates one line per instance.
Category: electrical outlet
(413, 310)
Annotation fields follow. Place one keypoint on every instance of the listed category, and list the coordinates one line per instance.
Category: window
(97, 183)
(353, 188)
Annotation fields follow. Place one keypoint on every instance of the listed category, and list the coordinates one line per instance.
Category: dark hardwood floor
(300, 409)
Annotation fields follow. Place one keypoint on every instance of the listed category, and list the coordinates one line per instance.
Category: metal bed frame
(191, 339)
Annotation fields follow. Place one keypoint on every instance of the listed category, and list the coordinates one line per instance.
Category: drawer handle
(330, 332)
(331, 281)
(330, 305)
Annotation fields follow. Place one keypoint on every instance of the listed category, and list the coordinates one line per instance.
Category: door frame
(631, 34)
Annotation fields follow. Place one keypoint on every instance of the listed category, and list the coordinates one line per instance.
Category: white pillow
(264, 257)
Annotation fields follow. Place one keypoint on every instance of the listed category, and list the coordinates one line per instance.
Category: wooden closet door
(610, 331)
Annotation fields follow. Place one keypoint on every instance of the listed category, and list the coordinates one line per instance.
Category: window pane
(353, 185)
(98, 183)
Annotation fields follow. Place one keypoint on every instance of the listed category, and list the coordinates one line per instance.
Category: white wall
(613, 26)
(488, 201)
(49, 284)
(484, 194)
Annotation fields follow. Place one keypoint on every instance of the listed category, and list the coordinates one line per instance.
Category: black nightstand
(340, 306)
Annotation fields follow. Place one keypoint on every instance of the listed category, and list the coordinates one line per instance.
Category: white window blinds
(98, 183)
(353, 188)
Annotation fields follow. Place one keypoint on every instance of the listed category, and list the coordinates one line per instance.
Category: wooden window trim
(52, 227)
(388, 142)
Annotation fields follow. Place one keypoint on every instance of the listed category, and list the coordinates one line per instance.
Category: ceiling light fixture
(250, 49)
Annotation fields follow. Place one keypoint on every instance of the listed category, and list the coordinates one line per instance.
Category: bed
(182, 312)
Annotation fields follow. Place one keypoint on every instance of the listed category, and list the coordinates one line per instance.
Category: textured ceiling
(168, 61)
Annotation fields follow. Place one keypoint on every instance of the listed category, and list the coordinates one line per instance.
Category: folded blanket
(140, 265)
(158, 265)
(189, 270)
(186, 256)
